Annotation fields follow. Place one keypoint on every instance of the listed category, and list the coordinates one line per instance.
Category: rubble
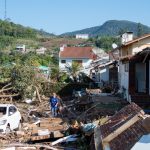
(79, 117)
(122, 130)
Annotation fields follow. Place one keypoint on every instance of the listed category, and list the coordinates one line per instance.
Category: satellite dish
(114, 45)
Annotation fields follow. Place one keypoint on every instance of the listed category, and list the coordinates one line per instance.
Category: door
(13, 117)
(149, 77)
(141, 77)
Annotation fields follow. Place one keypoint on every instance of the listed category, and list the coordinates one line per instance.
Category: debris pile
(87, 121)
(122, 130)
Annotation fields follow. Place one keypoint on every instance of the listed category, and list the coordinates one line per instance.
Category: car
(10, 118)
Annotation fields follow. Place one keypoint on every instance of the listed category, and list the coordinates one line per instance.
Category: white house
(41, 50)
(81, 55)
(21, 48)
(82, 36)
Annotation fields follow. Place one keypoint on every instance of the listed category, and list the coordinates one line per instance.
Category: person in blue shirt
(54, 104)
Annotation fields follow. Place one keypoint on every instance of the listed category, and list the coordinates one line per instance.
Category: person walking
(54, 104)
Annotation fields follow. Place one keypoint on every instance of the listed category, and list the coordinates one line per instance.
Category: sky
(60, 16)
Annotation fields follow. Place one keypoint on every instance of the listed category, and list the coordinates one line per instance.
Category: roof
(137, 40)
(43, 68)
(77, 52)
(6, 105)
(124, 129)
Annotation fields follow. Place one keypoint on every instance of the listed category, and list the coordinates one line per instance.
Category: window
(2, 110)
(12, 110)
(63, 61)
(126, 67)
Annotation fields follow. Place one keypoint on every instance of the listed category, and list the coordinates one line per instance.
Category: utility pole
(5, 14)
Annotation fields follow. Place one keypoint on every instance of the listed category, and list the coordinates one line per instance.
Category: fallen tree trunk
(5, 96)
(38, 95)
(6, 85)
(2, 90)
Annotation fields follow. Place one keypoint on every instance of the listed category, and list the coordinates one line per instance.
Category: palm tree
(74, 71)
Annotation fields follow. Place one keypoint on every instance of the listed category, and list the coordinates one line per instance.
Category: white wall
(124, 76)
(85, 62)
(123, 79)
(82, 36)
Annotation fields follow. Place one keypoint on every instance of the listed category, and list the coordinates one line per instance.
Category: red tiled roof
(129, 136)
(77, 52)
(136, 40)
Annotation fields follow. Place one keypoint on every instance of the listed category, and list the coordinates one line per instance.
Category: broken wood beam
(5, 96)
(63, 139)
(41, 137)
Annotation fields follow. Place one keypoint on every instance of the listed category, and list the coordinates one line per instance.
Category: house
(82, 55)
(41, 50)
(121, 131)
(82, 36)
(105, 68)
(43, 72)
(21, 48)
(105, 73)
(134, 68)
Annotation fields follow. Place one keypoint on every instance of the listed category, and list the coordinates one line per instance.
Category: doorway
(141, 77)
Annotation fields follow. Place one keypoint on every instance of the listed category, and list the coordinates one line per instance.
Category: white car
(10, 118)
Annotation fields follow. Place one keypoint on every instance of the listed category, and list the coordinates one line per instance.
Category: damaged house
(123, 130)
(134, 68)
(105, 70)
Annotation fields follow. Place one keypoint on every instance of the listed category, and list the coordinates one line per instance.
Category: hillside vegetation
(11, 32)
(113, 28)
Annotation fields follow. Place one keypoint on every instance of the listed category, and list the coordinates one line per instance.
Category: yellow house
(134, 68)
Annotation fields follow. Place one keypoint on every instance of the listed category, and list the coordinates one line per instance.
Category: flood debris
(122, 130)
(80, 123)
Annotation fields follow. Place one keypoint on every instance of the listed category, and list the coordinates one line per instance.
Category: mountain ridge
(112, 28)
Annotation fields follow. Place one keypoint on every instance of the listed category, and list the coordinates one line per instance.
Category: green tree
(25, 80)
(106, 42)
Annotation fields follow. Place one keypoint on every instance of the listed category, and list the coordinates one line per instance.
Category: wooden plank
(122, 128)
(37, 138)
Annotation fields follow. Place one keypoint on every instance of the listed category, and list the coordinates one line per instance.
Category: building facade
(81, 55)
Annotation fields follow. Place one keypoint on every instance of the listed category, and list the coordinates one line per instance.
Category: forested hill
(113, 28)
(15, 30)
